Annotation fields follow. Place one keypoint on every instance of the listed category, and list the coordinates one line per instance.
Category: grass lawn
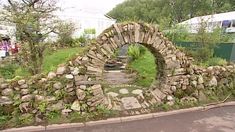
(146, 69)
(50, 63)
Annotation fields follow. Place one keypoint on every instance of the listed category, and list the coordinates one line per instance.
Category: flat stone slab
(137, 91)
(123, 91)
(113, 94)
(130, 103)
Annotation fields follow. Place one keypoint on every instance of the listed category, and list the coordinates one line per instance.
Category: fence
(222, 50)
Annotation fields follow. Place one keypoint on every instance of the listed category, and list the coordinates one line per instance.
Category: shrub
(8, 71)
(178, 33)
(82, 40)
(134, 51)
(65, 32)
(216, 61)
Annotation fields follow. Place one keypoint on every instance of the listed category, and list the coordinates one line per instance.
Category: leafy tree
(65, 31)
(168, 12)
(34, 20)
(178, 33)
(207, 42)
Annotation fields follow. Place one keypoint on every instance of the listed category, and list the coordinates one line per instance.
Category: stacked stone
(68, 85)
(78, 82)
(199, 80)
(168, 57)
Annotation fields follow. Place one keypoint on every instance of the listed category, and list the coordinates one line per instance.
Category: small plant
(42, 107)
(216, 61)
(103, 112)
(165, 107)
(82, 40)
(134, 52)
(53, 115)
(8, 71)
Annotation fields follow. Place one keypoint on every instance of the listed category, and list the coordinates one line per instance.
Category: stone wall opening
(167, 57)
(131, 64)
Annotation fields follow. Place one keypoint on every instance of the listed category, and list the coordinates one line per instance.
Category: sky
(89, 6)
(76, 7)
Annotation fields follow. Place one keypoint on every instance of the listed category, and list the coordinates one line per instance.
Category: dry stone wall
(79, 83)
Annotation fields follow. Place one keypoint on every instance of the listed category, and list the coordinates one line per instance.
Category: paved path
(214, 120)
(118, 77)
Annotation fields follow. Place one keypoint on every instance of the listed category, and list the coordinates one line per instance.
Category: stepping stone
(112, 94)
(123, 91)
(137, 92)
(130, 103)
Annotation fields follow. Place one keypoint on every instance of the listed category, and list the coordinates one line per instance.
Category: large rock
(25, 107)
(39, 98)
(61, 70)
(69, 76)
(96, 89)
(66, 112)
(169, 98)
(7, 92)
(5, 100)
(200, 80)
(76, 106)
(56, 107)
(80, 94)
(4, 85)
(83, 87)
(75, 71)
(194, 84)
(21, 82)
(79, 79)
(57, 85)
(51, 75)
(24, 91)
(213, 82)
(24, 86)
(27, 98)
(93, 69)
(158, 95)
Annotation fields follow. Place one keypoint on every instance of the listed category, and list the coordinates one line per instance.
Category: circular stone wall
(168, 59)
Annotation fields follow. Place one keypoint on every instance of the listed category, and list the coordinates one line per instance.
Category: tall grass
(146, 68)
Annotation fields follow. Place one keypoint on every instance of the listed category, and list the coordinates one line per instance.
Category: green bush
(178, 33)
(134, 51)
(215, 61)
(65, 32)
(82, 39)
(8, 71)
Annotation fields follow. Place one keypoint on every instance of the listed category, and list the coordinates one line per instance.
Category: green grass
(146, 69)
(51, 61)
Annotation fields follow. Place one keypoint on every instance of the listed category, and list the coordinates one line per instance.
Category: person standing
(6, 45)
(2, 51)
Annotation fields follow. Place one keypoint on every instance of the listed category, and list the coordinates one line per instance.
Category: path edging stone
(117, 120)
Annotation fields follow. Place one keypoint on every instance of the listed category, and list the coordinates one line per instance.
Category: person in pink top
(5, 45)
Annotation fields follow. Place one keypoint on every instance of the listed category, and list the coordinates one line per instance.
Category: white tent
(212, 21)
(7, 29)
(82, 21)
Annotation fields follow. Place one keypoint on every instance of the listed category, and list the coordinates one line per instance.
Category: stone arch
(167, 57)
